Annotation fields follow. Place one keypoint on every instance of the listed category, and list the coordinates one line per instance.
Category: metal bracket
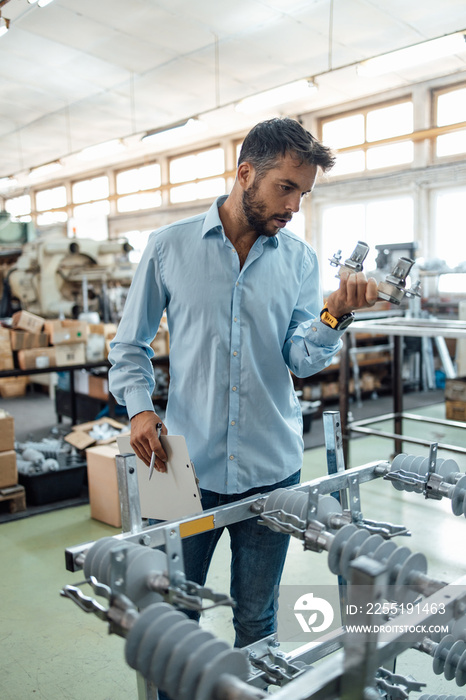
(355, 262)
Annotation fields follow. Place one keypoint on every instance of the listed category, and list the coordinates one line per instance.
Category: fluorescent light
(167, 134)
(101, 150)
(4, 25)
(413, 55)
(300, 89)
(32, 2)
(43, 3)
(46, 169)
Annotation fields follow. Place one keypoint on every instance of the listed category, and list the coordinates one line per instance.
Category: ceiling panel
(75, 74)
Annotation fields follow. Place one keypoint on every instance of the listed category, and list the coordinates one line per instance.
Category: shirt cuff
(322, 335)
(138, 401)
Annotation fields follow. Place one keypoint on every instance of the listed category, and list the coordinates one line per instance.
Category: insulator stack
(450, 659)
(351, 542)
(179, 657)
(296, 503)
(140, 563)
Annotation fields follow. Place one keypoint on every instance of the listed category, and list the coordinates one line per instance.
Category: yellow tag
(194, 527)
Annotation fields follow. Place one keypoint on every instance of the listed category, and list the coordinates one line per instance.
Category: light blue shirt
(234, 337)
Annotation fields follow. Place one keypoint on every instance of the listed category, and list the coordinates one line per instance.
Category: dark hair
(272, 139)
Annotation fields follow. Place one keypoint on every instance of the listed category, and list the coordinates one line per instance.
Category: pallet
(14, 498)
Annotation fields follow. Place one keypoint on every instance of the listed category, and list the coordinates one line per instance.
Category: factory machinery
(385, 591)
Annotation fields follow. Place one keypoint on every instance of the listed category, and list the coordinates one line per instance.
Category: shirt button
(235, 319)
(232, 456)
(237, 284)
(235, 353)
(234, 388)
(314, 329)
(233, 422)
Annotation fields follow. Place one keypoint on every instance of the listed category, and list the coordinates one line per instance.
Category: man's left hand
(355, 292)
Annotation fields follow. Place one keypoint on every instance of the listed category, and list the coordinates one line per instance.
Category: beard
(255, 212)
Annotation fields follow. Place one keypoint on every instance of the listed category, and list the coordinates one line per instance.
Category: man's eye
(286, 188)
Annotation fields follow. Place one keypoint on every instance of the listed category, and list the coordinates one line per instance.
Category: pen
(158, 427)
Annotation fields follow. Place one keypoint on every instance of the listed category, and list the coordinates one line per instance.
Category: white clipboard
(168, 495)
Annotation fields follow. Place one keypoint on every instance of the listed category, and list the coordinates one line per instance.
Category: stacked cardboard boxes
(8, 471)
(455, 399)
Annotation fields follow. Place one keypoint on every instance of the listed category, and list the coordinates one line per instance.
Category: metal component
(396, 686)
(355, 262)
(334, 448)
(393, 288)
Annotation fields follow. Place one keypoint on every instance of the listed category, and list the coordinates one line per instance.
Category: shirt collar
(213, 224)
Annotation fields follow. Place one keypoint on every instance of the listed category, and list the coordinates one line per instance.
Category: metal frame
(396, 328)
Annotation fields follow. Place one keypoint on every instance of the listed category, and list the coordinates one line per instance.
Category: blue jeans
(257, 559)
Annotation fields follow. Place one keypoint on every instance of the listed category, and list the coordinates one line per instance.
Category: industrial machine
(59, 276)
(388, 601)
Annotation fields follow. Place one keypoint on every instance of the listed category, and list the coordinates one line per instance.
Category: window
(90, 190)
(145, 178)
(451, 109)
(354, 133)
(53, 198)
(197, 166)
(449, 226)
(47, 218)
(388, 220)
(19, 207)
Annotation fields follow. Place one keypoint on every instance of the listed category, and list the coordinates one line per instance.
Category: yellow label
(194, 527)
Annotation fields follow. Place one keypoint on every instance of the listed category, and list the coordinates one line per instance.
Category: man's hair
(270, 140)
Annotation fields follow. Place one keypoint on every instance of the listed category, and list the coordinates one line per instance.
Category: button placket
(235, 375)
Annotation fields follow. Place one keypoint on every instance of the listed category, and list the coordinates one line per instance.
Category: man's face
(270, 202)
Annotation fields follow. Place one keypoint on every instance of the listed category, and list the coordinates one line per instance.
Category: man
(243, 302)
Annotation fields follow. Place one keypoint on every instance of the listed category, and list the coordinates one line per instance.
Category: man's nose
(293, 202)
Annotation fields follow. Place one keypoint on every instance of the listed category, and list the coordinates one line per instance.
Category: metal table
(397, 328)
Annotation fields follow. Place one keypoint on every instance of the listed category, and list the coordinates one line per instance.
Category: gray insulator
(50, 465)
(296, 503)
(140, 563)
(351, 542)
(49, 448)
(32, 455)
(178, 656)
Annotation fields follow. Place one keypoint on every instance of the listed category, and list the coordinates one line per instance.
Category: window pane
(91, 211)
(183, 193)
(51, 199)
(388, 220)
(18, 206)
(135, 202)
(88, 190)
(392, 154)
(352, 162)
(389, 121)
(346, 131)
(450, 241)
(137, 179)
(451, 107)
(203, 164)
(210, 188)
(451, 144)
(51, 217)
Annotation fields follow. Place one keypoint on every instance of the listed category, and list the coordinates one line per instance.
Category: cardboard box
(103, 484)
(66, 331)
(98, 387)
(36, 358)
(8, 471)
(7, 431)
(61, 355)
(455, 389)
(28, 322)
(106, 331)
(24, 340)
(456, 410)
(70, 354)
(10, 387)
(81, 438)
(6, 355)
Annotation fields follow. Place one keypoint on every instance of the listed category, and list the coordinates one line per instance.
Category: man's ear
(245, 174)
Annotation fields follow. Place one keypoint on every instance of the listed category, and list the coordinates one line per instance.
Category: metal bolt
(145, 540)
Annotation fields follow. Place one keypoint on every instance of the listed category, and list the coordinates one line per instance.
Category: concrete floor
(50, 650)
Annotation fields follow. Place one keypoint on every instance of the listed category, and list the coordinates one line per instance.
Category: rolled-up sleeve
(131, 376)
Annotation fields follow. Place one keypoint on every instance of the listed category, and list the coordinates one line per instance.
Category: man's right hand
(144, 439)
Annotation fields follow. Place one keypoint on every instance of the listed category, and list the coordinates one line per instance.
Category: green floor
(51, 650)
